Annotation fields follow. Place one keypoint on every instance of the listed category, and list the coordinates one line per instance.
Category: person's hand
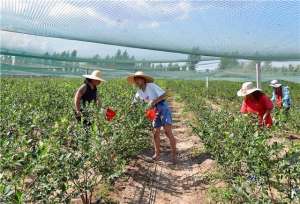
(265, 116)
(103, 111)
(151, 104)
(78, 115)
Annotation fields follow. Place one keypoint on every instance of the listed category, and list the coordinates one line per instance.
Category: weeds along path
(163, 183)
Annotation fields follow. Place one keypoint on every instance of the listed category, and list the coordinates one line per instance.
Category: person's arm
(77, 98)
(244, 108)
(159, 92)
(159, 99)
(98, 101)
(273, 96)
(268, 112)
(136, 99)
(268, 106)
(286, 99)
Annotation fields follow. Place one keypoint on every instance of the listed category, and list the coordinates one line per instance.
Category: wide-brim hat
(275, 83)
(96, 75)
(247, 88)
(141, 74)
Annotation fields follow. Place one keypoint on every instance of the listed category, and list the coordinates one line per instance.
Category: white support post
(207, 82)
(13, 60)
(258, 75)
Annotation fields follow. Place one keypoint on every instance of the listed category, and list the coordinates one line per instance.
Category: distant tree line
(114, 62)
(161, 66)
(119, 55)
(47, 58)
(231, 63)
(19, 60)
(64, 54)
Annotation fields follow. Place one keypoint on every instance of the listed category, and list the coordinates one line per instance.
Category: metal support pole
(258, 75)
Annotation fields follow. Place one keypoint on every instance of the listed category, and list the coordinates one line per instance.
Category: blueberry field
(46, 155)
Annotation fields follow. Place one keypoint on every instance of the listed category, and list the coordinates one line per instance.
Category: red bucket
(110, 114)
(151, 114)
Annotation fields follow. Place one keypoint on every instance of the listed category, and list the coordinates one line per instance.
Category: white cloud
(18, 6)
(67, 9)
(185, 8)
(40, 45)
(64, 9)
(151, 14)
(17, 41)
(152, 24)
(157, 9)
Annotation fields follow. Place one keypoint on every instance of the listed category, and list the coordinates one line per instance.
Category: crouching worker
(255, 101)
(281, 96)
(152, 94)
(86, 94)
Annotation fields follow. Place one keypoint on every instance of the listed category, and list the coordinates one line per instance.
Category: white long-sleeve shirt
(152, 92)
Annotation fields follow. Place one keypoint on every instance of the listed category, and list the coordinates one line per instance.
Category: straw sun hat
(247, 88)
(141, 74)
(96, 75)
(275, 83)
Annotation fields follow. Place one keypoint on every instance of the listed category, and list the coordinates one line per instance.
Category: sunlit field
(46, 154)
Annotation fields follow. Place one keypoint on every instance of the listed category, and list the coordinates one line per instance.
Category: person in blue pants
(281, 96)
(155, 97)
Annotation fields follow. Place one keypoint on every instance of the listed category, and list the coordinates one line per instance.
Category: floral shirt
(282, 99)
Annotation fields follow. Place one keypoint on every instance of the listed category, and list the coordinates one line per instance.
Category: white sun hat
(275, 83)
(141, 74)
(96, 75)
(247, 88)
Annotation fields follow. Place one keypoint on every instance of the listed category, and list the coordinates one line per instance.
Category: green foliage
(257, 166)
(221, 194)
(46, 155)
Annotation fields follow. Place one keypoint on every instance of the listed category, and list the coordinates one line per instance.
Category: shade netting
(262, 30)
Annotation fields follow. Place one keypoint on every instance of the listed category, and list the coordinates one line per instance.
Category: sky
(38, 45)
(267, 29)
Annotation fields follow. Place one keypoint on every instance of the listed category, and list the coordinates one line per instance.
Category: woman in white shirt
(152, 94)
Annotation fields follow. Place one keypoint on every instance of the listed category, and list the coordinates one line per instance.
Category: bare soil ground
(162, 182)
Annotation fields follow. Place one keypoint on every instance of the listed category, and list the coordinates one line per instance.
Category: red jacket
(259, 107)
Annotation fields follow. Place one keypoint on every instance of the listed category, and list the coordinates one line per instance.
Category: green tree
(118, 54)
(46, 61)
(125, 55)
(227, 63)
(291, 68)
(74, 54)
(176, 67)
(132, 58)
(107, 57)
(194, 58)
(96, 57)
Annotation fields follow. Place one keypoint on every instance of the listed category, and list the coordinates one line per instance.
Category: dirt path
(163, 183)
